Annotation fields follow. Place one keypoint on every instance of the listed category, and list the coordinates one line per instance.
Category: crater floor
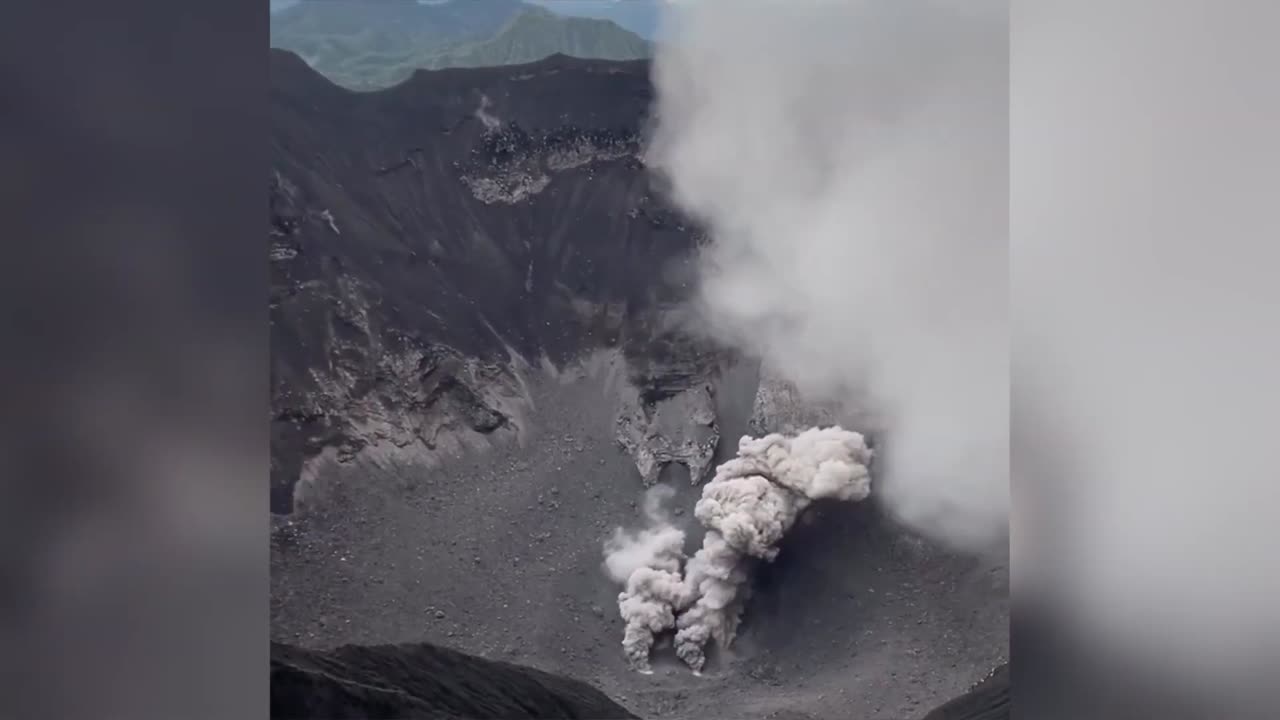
(497, 552)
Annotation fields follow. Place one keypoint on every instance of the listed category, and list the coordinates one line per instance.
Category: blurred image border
(135, 493)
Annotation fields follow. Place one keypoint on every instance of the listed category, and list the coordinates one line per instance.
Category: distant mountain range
(367, 45)
(642, 17)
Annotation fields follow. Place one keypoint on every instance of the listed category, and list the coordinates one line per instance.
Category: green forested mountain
(367, 45)
(536, 33)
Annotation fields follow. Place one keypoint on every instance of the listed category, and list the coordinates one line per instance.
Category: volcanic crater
(482, 355)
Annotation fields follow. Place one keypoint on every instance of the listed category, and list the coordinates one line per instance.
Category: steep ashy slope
(405, 682)
(988, 700)
(478, 365)
(370, 45)
(423, 236)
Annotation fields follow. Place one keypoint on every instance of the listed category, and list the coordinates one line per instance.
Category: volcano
(482, 354)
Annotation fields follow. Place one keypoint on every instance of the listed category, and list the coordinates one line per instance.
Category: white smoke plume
(648, 563)
(850, 159)
(748, 508)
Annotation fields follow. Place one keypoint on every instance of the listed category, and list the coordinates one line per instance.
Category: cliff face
(425, 237)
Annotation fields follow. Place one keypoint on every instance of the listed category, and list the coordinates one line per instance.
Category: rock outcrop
(681, 429)
(780, 407)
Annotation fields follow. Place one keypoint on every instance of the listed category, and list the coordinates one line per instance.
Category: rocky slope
(425, 237)
(990, 699)
(404, 682)
(478, 365)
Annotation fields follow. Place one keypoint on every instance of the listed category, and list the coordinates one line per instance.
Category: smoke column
(648, 563)
(748, 508)
(850, 160)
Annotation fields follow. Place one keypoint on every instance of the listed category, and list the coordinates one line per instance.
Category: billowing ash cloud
(850, 159)
(648, 563)
(657, 545)
(748, 508)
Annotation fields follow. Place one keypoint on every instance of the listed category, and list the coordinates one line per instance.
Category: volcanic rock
(404, 682)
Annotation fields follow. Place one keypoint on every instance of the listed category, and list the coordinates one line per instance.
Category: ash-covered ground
(478, 364)
(497, 552)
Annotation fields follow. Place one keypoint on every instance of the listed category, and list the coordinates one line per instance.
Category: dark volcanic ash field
(463, 365)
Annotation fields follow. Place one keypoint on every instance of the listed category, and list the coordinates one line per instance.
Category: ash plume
(648, 562)
(750, 505)
(850, 161)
